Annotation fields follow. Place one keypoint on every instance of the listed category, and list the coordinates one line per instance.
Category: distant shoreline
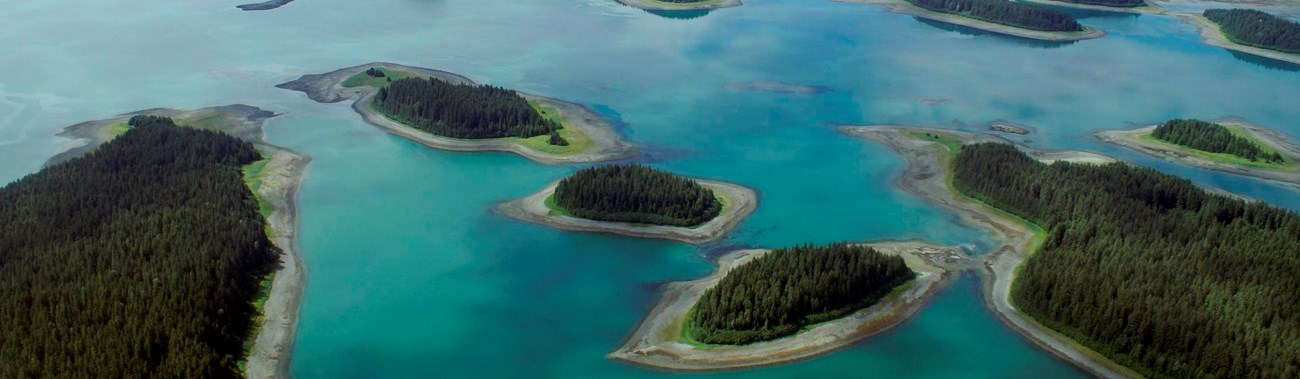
(655, 344)
(652, 5)
(1213, 36)
(327, 88)
(1132, 140)
(264, 6)
(738, 201)
(904, 7)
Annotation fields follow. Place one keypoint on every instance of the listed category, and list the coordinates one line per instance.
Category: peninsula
(996, 16)
(1249, 31)
(680, 5)
(669, 337)
(1275, 157)
(446, 111)
(637, 201)
(1084, 272)
(228, 208)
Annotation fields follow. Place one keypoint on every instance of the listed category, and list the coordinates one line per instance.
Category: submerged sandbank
(737, 203)
(280, 179)
(606, 145)
(658, 343)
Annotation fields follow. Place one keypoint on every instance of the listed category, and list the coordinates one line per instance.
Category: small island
(1249, 31)
(997, 16)
(1121, 6)
(730, 320)
(637, 201)
(264, 6)
(450, 112)
(1233, 146)
(680, 5)
(169, 205)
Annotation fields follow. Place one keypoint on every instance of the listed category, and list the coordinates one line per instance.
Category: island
(1231, 145)
(704, 325)
(264, 6)
(1119, 6)
(637, 201)
(174, 244)
(1249, 31)
(1008, 127)
(1113, 289)
(682, 5)
(446, 111)
(996, 16)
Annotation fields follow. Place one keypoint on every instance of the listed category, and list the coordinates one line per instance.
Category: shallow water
(412, 274)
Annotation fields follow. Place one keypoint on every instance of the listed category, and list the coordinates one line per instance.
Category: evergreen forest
(1149, 269)
(138, 260)
(1006, 13)
(779, 293)
(1211, 137)
(1254, 28)
(636, 194)
(1110, 3)
(461, 110)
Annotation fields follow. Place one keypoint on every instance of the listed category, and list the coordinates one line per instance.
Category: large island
(1249, 31)
(731, 320)
(997, 16)
(1233, 146)
(637, 201)
(173, 243)
(680, 5)
(1094, 264)
(450, 112)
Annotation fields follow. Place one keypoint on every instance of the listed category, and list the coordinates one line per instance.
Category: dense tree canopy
(1109, 3)
(638, 194)
(137, 260)
(461, 111)
(1006, 13)
(777, 294)
(1259, 29)
(1148, 269)
(1211, 137)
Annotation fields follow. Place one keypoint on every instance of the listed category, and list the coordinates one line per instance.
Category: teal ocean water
(411, 273)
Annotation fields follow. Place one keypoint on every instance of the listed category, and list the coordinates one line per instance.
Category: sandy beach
(281, 177)
(926, 177)
(738, 202)
(1287, 175)
(607, 145)
(655, 343)
(665, 6)
(902, 6)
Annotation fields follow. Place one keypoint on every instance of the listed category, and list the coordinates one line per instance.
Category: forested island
(639, 201)
(1126, 6)
(141, 259)
(1254, 28)
(1157, 274)
(448, 111)
(1233, 146)
(765, 307)
(672, 5)
(264, 6)
(998, 16)
(788, 289)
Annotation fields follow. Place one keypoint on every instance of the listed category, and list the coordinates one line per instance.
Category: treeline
(137, 260)
(637, 194)
(1148, 269)
(1109, 3)
(1006, 13)
(1211, 137)
(1258, 29)
(779, 293)
(461, 111)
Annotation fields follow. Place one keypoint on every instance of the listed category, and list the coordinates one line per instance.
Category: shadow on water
(969, 31)
(1265, 62)
(680, 15)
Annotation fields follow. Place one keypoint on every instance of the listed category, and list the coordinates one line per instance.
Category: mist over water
(410, 271)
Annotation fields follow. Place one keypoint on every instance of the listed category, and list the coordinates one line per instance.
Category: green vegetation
(786, 290)
(575, 139)
(253, 177)
(140, 259)
(1109, 3)
(1254, 28)
(947, 140)
(688, 2)
(1148, 269)
(1004, 12)
(461, 111)
(1213, 138)
(363, 78)
(636, 194)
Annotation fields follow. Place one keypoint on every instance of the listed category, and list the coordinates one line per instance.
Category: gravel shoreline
(607, 145)
(902, 6)
(1290, 176)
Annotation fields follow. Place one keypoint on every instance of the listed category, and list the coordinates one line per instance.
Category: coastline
(903, 7)
(1211, 35)
(264, 6)
(662, 6)
(273, 341)
(1131, 139)
(655, 344)
(1149, 8)
(926, 177)
(739, 202)
(327, 88)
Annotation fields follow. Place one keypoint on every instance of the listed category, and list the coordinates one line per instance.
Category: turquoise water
(412, 274)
